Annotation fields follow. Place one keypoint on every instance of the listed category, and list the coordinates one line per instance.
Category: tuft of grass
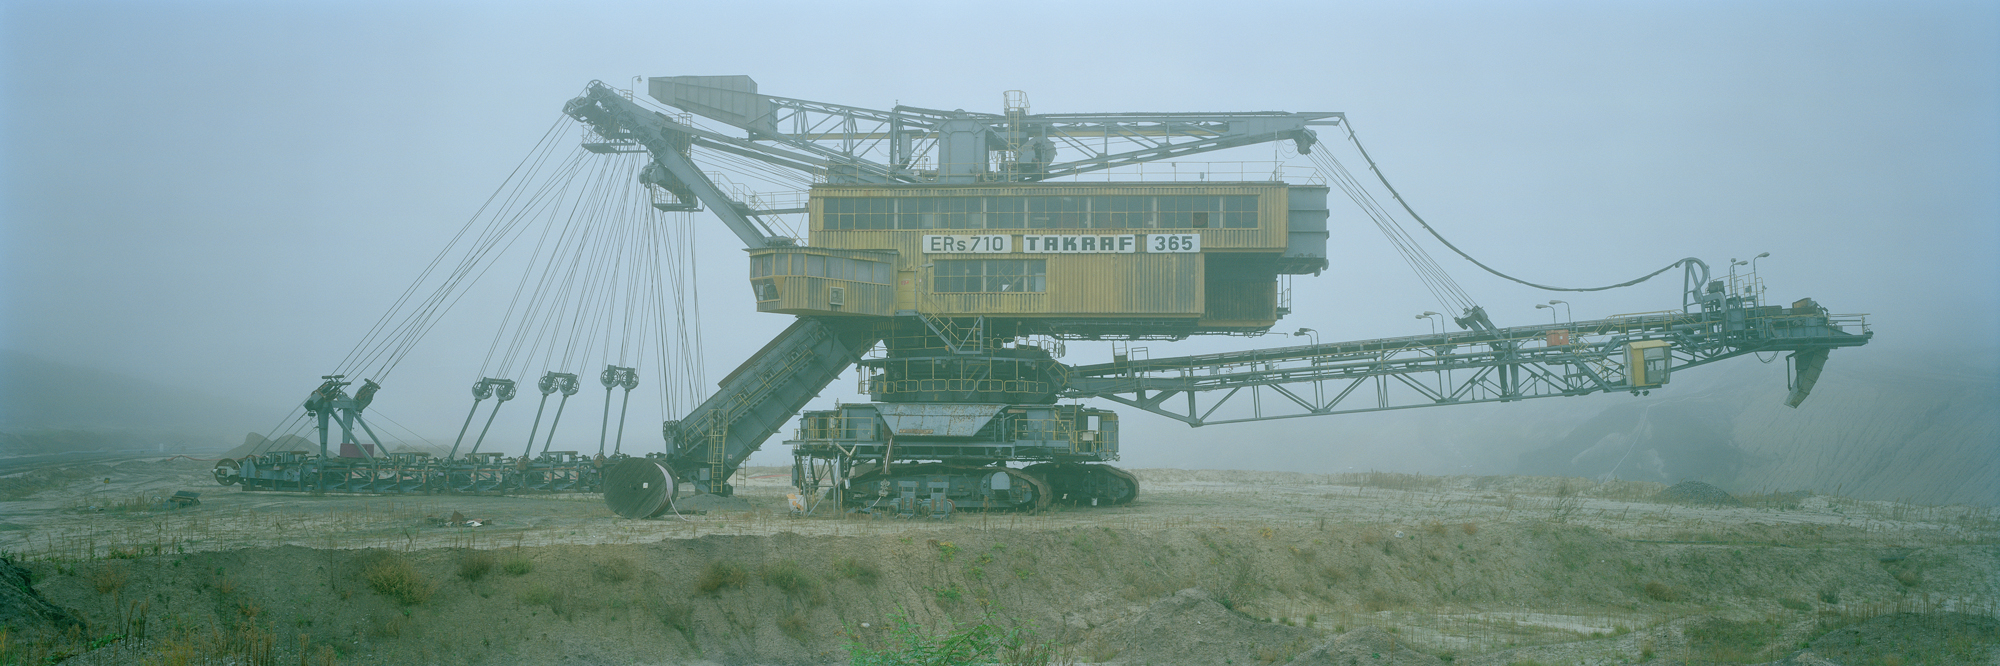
(1469, 529)
(539, 594)
(474, 565)
(614, 570)
(108, 579)
(1659, 591)
(518, 565)
(787, 576)
(1434, 528)
(1830, 596)
(392, 575)
(1909, 578)
(858, 571)
(795, 626)
(721, 574)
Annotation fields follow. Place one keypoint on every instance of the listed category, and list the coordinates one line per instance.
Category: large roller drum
(638, 488)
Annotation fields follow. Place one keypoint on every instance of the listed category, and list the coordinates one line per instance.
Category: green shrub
(720, 574)
(786, 575)
(518, 565)
(391, 575)
(474, 565)
(1659, 591)
(858, 571)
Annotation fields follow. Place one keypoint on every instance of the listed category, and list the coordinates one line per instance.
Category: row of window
(990, 275)
(1230, 211)
(839, 268)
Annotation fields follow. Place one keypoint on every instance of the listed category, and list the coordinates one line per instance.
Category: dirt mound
(1908, 638)
(1191, 627)
(1696, 492)
(1367, 645)
(22, 608)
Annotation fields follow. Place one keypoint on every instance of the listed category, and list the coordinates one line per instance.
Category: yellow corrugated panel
(1078, 284)
(809, 296)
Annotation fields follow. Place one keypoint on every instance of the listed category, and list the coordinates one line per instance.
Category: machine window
(990, 275)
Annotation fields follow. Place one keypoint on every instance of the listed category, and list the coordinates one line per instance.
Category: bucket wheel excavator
(949, 257)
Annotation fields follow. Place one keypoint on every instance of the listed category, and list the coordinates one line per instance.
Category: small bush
(1795, 604)
(108, 579)
(720, 574)
(795, 626)
(858, 571)
(518, 565)
(391, 575)
(1659, 591)
(1434, 528)
(614, 570)
(786, 575)
(1830, 596)
(475, 565)
(1909, 578)
(1469, 529)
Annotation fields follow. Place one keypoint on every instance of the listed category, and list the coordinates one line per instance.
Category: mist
(216, 201)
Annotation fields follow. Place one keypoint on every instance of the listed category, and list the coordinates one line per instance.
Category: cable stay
(1696, 269)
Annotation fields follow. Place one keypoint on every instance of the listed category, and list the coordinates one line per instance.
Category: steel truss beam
(1503, 365)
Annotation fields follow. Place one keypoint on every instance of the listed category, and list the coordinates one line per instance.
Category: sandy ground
(1332, 553)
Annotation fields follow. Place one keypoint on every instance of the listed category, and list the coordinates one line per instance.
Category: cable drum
(638, 488)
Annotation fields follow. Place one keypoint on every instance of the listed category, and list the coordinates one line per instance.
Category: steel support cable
(451, 293)
(497, 215)
(538, 298)
(527, 271)
(1426, 269)
(542, 146)
(577, 237)
(1337, 174)
(1440, 237)
(1414, 253)
(587, 274)
(597, 286)
(473, 265)
(676, 277)
(454, 292)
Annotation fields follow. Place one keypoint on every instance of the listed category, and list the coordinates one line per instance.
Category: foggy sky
(224, 196)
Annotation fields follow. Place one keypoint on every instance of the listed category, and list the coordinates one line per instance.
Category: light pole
(1431, 316)
(1566, 313)
(1753, 275)
(1318, 394)
(1552, 312)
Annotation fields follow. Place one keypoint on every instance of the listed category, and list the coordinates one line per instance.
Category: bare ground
(1207, 567)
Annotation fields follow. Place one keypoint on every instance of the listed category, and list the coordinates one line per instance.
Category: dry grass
(474, 565)
(719, 575)
(614, 570)
(787, 576)
(858, 571)
(1659, 591)
(109, 579)
(392, 575)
